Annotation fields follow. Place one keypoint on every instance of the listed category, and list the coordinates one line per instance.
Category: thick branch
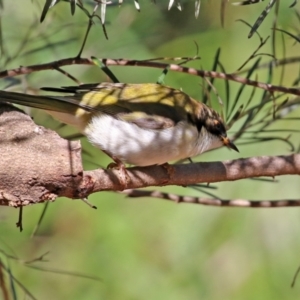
(36, 164)
(189, 174)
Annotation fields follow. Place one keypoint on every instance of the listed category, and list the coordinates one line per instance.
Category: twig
(19, 223)
(150, 64)
(213, 202)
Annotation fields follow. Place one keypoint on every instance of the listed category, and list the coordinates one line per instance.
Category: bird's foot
(169, 168)
(120, 166)
(124, 178)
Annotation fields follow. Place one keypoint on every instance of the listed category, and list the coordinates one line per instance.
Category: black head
(214, 124)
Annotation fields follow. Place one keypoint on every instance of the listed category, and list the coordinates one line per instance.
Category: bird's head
(212, 123)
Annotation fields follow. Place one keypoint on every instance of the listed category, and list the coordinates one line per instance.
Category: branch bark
(203, 172)
(36, 164)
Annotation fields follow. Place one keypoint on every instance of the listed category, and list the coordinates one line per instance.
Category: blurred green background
(146, 248)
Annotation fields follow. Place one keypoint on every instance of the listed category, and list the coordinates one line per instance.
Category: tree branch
(36, 164)
(152, 64)
(189, 174)
(211, 201)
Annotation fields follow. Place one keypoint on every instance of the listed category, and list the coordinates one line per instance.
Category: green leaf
(101, 64)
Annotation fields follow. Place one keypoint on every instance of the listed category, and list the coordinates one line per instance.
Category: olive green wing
(147, 105)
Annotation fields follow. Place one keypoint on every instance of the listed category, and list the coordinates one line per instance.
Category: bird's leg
(124, 177)
(169, 168)
(119, 165)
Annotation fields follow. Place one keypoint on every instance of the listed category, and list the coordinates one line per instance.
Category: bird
(139, 124)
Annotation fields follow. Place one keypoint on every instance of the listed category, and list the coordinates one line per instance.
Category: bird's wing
(150, 106)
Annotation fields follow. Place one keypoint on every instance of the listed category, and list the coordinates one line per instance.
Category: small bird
(139, 124)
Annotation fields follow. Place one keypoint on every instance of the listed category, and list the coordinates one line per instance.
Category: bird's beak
(228, 143)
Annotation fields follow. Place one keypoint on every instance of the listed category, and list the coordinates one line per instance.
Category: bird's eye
(218, 125)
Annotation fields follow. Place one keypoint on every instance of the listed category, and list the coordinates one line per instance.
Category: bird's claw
(124, 176)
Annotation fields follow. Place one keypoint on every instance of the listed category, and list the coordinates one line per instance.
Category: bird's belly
(142, 147)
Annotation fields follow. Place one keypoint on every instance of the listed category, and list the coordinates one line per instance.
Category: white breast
(143, 147)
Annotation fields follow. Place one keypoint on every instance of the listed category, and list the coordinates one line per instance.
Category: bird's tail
(49, 103)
